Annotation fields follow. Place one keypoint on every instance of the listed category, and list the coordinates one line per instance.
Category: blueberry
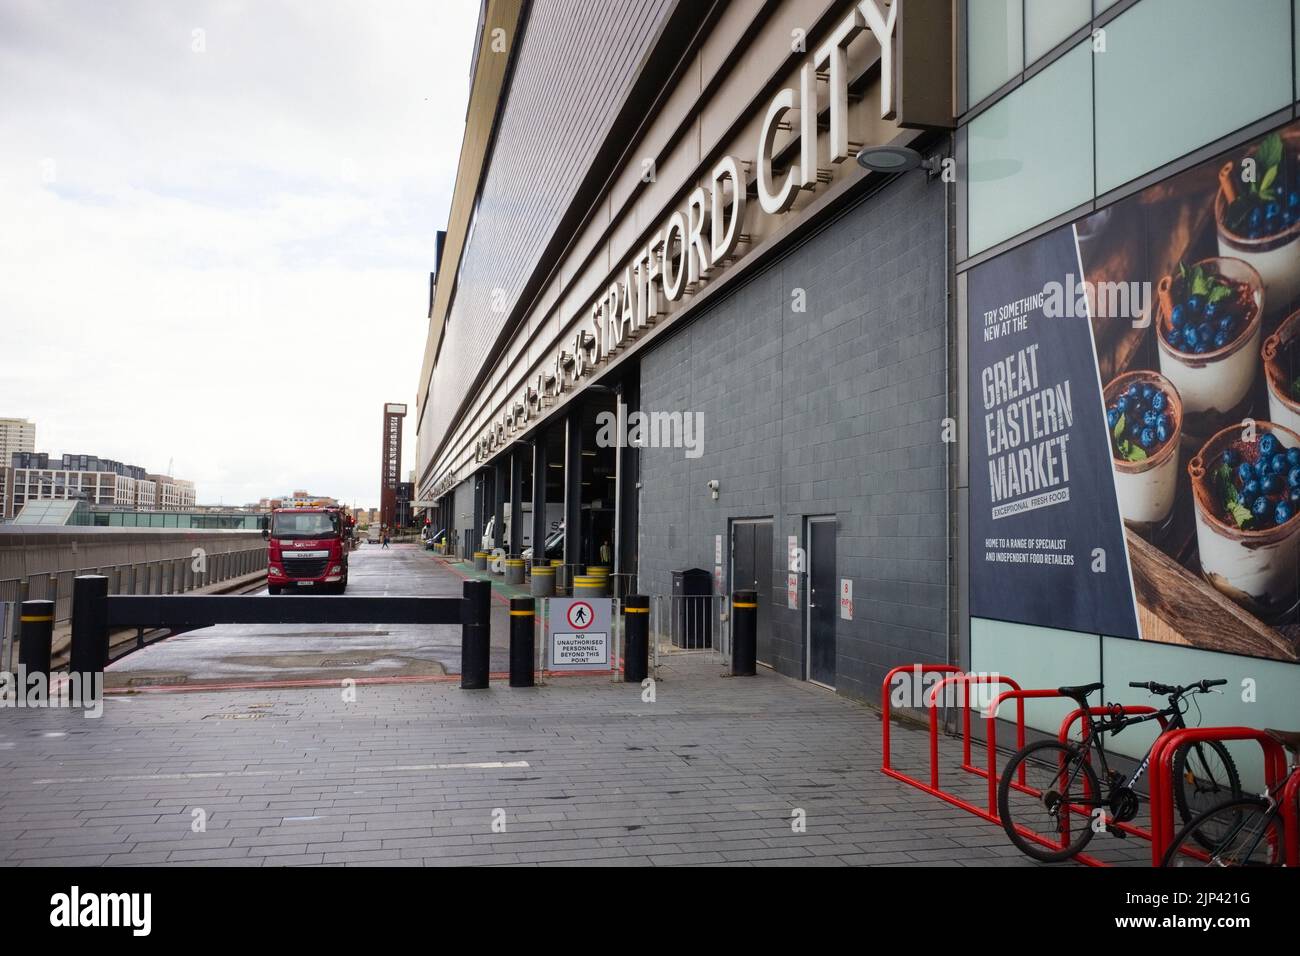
(1260, 508)
(1272, 211)
(1230, 457)
(1147, 438)
(1252, 488)
(1121, 406)
(1204, 332)
(1282, 513)
(1150, 418)
(1270, 485)
(1256, 218)
(1201, 348)
(1172, 336)
(1162, 432)
(1135, 430)
(1220, 339)
(1267, 445)
(1134, 391)
(1147, 392)
(1112, 417)
(1159, 401)
(1245, 471)
(1210, 309)
(1194, 304)
(1293, 456)
(1278, 464)
(1293, 477)
(1293, 200)
(1293, 496)
(1190, 337)
(1177, 317)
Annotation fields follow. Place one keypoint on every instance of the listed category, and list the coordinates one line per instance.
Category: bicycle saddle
(1080, 692)
(1290, 739)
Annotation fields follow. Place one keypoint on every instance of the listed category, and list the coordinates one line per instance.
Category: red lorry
(308, 547)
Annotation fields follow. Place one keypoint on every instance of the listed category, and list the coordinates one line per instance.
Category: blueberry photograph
(1193, 289)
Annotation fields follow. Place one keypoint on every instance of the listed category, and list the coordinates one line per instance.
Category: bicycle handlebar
(1202, 686)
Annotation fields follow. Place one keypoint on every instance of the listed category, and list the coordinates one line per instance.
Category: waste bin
(691, 621)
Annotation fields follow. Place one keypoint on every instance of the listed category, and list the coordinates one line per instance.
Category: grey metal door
(751, 567)
(823, 597)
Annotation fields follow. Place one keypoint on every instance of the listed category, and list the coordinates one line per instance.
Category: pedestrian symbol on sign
(580, 614)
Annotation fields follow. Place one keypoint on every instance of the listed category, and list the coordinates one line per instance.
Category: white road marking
(218, 774)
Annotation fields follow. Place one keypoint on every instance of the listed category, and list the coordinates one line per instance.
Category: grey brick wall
(836, 410)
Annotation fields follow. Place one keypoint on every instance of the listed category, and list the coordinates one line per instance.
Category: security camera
(713, 487)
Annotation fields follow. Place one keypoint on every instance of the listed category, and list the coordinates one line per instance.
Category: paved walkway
(714, 770)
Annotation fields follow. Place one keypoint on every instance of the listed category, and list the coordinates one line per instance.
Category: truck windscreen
(304, 524)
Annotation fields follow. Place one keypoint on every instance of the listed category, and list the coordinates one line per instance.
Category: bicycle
(1244, 831)
(1065, 783)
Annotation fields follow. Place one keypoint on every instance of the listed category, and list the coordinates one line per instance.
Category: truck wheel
(273, 589)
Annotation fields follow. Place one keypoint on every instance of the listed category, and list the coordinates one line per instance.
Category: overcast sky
(215, 246)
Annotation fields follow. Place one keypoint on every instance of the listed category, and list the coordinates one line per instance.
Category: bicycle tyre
(1050, 751)
(1189, 849)
(1184, 789)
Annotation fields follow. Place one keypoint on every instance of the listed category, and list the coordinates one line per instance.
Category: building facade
(103, 482)
(16, 434)
(719, 331)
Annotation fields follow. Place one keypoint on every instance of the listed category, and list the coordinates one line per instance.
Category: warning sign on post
(579, 634)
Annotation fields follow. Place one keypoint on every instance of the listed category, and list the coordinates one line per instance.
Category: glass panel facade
(1177, 74)
(1049, 22)
(995, 45)
(1030, 155)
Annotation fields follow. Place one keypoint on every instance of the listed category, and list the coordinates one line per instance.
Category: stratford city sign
(703, 235)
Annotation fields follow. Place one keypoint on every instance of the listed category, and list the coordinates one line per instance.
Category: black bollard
(89, 653)
(475, 635)
(744, 629)
(522, 652)
(36, 630)
(636, 640)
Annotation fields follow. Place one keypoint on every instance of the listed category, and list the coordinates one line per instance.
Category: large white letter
(883, 27)
(697, 257)
(771, 200)
(674, 273)
(833, 50)
(726, 234)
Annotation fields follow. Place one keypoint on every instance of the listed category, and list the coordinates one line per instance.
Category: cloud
(216, 245)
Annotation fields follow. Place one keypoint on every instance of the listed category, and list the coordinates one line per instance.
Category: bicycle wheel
(1241, 832)
(1056, 775)
(1205, 777)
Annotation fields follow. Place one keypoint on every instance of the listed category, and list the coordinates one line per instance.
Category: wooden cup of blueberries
(1247, 491)
(1144, 415)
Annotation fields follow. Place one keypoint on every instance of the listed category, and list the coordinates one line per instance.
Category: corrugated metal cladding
(574, 66)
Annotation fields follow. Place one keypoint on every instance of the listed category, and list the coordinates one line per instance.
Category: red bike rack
(1162, 803)
(1160, 771)
(958, 676)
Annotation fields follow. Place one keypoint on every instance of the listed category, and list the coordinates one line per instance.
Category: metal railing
(690, 624)
(162, 576)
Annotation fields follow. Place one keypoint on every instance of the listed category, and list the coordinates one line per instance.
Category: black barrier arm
(475, 635)
(186, 612)
(36, 622)
(523, 618)
(89, 651)
(744, 629)
(636, 639)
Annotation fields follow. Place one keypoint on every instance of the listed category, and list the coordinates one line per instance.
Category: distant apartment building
(173, 494)
(16, 434)
(102, 482)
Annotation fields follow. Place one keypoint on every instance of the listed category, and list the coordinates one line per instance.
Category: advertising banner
(1172, 316)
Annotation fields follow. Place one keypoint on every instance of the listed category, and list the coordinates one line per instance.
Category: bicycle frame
(1097, 727)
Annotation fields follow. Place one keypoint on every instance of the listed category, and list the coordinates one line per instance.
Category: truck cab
(308, 550)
